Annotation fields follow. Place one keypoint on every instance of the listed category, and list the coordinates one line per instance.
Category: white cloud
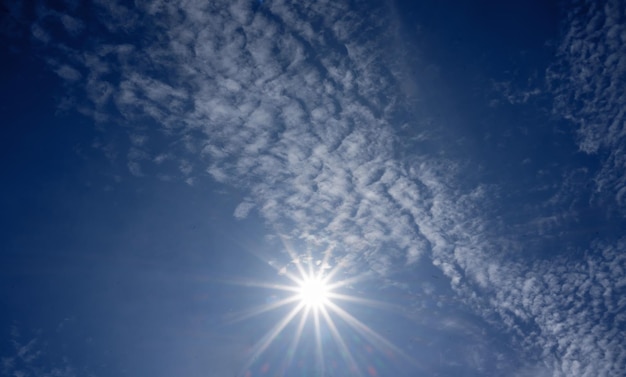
(587, 81)
(25, 359)
(135, 168)
(293, 104)
(68, 73)
(243, 209)
(73, 25)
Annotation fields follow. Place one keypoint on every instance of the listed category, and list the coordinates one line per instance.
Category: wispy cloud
(295, 103)
(26, 359)
(587, 81)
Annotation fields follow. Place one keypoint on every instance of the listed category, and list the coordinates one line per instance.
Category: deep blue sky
(459, 168)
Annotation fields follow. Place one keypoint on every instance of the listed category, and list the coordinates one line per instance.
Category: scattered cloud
(295, 103)
(73, 25)
(68, 73)
(26, 359)
(586, 81)
(512, 94)
(243, 209)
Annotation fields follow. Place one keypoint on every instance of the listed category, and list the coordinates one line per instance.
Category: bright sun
(316, 296)
(313, 292)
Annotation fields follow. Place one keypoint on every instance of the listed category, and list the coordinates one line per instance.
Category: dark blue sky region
(173, 170)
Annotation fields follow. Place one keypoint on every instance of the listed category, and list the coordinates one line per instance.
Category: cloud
(306, 132)
(40, 34)
(73, 25)
(586, 81)
(565, 313)
(26, 359)
(294, 103)
(68, 73)
(243, 209)
(512, 94)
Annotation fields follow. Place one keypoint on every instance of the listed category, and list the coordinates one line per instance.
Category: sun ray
(345, 351)
(319, 355)
(238, 317)
(316, 300)
(294, 257)
(345, 282)
(364, 301)
(296, 338)
(269, 337)
(370, 334)
(338, 267)
(327, 255)
(260, 284)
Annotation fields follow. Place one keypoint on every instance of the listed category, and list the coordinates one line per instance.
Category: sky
(172, 171)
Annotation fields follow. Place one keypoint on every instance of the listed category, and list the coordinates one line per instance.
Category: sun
(314, 292)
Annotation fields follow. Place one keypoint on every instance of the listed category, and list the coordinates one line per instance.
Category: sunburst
(314, 292)
(314, 296)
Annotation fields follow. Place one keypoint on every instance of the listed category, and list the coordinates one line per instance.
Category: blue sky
(171, 170)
